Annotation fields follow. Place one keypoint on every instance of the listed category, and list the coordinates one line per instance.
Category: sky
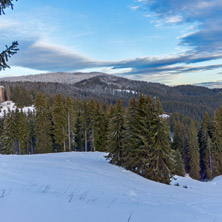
(167, 41)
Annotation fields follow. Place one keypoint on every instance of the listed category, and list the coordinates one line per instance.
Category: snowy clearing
(83, 187)
(7, 106)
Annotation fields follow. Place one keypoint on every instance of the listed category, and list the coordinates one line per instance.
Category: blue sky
(171, 42)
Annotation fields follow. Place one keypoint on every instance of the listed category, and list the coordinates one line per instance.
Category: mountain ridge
(57, 77)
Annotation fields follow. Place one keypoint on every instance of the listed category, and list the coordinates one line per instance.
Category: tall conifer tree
(194, 155)
(115, 135)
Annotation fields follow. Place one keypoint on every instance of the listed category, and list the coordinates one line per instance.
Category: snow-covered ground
(83, 187)
(7, 106)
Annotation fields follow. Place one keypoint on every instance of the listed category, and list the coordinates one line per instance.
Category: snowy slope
(58, 77)
(83, 187)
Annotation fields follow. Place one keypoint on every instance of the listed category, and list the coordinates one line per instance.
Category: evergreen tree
(205, 149)
(216, 132)
(179, 165)
(78, 132)
(115, 135)
(31, 132)
(85, 124)
(43, 126)
(7, 137)
(100, 128)
(161, 158)
(130, 136)
(60, 124)
(194, 155)
(179, 149)
(69, 116)
(22, 133)
(142, 134)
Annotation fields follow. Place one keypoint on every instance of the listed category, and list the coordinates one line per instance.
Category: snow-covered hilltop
(83, 187)
(58, 77)
(7, 106)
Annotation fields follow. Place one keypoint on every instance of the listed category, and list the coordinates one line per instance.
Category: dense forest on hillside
(191, 101)
(136, 136)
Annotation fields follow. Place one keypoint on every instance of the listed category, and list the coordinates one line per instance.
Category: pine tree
(22, 133)
(179, 165)
(130, 136)
(194, 155)
(43, 126)
(100, 128)
(161, 158)
(115, 135)
(216, 132)
(69, 117)
(7, 137)
(205, 149)
(178, 147)
(60, 124)
(92, 122)
(142, 134)
(85, 124)
(31, 133)
(79, 137)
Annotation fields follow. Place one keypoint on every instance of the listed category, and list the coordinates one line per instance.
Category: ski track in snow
(84, 187)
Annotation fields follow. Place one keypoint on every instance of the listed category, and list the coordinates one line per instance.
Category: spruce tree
(69, 117)
(178, 165)
(178, 148)
(43, 126)
(205, 149)
(7, 137)
(78, 131)
(130, 136)
(194, 155)
(216, 132)
(60, 124)
(142, 134)
(22, 133)
(161, 159)
(115, 135)
(100, 128)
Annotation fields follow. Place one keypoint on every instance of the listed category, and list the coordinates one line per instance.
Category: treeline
(205, 157)
(191, 101)
(135, 137)
(57, 124)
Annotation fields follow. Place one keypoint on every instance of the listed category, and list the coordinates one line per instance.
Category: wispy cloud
(207, 14)
(217, 84)
(205, 40)
(44, 56)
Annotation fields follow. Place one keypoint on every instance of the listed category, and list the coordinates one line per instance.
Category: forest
(191, 101)
(135, 136)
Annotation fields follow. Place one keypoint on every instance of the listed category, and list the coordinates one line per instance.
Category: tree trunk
(93, 141)
(69, 136)
(64, 142)
(86, 149)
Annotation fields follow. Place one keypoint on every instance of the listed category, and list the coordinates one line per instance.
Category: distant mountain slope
(58, 77)
(189, 100)
(83, 187)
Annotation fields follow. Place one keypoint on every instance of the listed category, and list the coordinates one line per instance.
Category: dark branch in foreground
(7, 54)
(5, 4)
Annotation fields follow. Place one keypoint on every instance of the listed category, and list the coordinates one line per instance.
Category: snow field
(84, 187)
